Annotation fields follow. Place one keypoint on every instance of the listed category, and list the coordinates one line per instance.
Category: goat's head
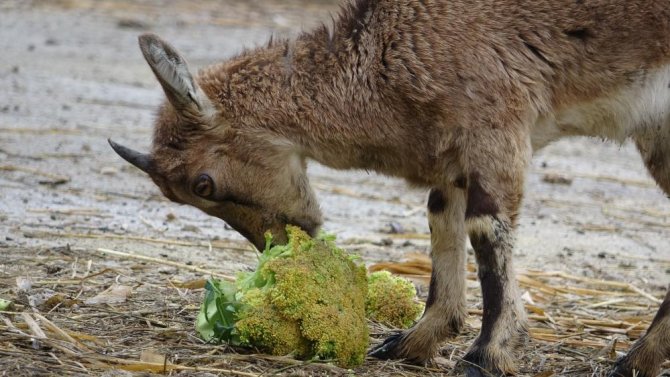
(202, 158)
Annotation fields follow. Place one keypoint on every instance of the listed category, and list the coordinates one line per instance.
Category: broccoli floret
(260, 324)
(392, 300)
(305, 298)
(323, 288)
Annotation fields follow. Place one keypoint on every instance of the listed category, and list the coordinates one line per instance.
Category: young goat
(452, 95)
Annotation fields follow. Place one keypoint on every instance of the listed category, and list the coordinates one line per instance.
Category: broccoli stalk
(306, 298)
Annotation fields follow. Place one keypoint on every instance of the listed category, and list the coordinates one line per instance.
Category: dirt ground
(72, 76)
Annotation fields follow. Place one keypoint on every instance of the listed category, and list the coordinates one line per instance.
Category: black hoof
(475, 365)
(389, 349)
(476, 371)
(619, 370)
(623, 369)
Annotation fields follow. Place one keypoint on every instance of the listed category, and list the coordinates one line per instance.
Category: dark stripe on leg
(461, 182)
(432, 292)
(491, 276)
(480, 203)
(436, 201)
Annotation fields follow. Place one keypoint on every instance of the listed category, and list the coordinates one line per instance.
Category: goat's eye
(204, 186)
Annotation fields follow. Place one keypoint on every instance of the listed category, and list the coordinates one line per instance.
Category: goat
(451, 95)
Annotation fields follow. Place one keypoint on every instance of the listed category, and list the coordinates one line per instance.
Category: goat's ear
(171, 71)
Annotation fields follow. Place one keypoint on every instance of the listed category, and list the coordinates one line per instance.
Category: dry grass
(577, 324)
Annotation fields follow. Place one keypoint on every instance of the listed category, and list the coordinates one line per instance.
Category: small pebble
(395, 227)
(109, 170)
(128, 23)
(190, 228)
(386, 242)
(52, 269)
(556, 179)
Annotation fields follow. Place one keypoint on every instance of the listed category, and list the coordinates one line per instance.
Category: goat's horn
(140, 160)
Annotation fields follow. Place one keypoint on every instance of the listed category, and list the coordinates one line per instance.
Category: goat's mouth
(254, 226)
(258, 240)
(310, 227)
(278, 231)
(253, 223)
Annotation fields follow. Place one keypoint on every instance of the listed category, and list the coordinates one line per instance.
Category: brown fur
(453, 95)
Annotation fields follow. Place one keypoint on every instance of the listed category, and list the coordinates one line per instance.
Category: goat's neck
(325, 99)
(343, 118)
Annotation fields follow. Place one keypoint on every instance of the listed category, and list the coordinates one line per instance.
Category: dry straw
(579, 325)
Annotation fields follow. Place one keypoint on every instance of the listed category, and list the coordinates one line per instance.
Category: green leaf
(4, 304)
(217, 316)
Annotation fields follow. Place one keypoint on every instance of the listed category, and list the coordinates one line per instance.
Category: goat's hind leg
(648, 353)
(445, 307)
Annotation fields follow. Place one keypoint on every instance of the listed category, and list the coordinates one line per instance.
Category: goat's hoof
(395, 347)
(480, 371)
(623, 369)
(476, 365)
(619, 372)
(389, 349)
(476, 371)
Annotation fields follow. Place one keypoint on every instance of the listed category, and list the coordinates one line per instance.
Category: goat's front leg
(445, 307)
(494, 192)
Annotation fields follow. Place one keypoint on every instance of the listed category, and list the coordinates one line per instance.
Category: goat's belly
(643, 103)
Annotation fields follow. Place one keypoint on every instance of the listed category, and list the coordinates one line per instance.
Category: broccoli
(392, 300)
(305, 298)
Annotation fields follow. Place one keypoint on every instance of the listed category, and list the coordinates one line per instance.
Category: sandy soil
(72, 76)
